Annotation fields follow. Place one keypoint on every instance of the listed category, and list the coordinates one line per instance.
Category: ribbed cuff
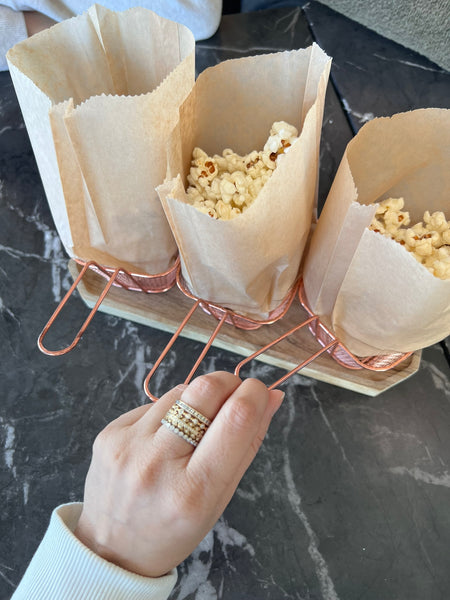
(12, 31)
(64, 569)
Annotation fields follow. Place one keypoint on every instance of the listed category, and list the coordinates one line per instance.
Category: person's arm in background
(16, 25)
(202, 17)
(150, 496)
(36, 22)
(13, 29)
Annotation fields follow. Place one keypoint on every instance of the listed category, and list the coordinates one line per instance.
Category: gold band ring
(186, 422)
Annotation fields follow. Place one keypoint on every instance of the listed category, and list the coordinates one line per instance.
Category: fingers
(130, 417)
(235, 435)
(140, 413)
(152, 420)
(227, 488)
(276, 397)
(237, 428)
(144, 478)
(205, 394)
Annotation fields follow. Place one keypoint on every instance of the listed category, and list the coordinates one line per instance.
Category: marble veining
(374, 75)
(8, 445)
(439, 377)
(197, 578)
(321, 568)
(348, 496)
(362, 118)
(332, 431)
(420, 475)
(409, 63)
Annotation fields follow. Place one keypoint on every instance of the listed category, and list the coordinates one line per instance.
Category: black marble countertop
(349, 496)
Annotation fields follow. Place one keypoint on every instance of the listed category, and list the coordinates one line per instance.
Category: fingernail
(278, 397)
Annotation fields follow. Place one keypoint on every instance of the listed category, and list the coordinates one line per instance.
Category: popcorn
(428, 241)
(225, 186)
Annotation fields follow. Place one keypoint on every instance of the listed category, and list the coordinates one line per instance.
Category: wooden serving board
(166, 311)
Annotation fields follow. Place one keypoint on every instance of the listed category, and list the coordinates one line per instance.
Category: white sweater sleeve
(64, 569)
(12, 31)
(202, 17)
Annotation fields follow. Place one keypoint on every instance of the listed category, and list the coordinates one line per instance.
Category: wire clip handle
(111, 279)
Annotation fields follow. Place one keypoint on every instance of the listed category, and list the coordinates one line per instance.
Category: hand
(150, 496)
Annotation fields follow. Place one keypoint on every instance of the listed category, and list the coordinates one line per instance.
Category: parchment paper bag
(375, 295)
(249, 263)
(99, 95)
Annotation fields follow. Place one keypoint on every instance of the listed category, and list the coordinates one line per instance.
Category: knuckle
(247, 409)
(207, 385)
(147, 474)
(257, 443)
(241, 414)
(101, 441)
(111, 449)
(255, 385)
(151, 464)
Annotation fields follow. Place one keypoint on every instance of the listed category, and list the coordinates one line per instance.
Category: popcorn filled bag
(99, 94)
(378, 266)
(242, 175)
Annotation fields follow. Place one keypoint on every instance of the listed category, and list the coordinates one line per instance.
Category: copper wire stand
(329, 343)
(326, 339)
(223, 315)
(119, 277)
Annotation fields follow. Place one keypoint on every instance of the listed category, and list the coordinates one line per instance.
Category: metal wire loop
(223, 315)
(40, 341)
(330, 344)
(172, 341)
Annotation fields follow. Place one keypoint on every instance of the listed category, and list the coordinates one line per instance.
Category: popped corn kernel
(436, 221)
(423, 247)
(225, 186)
(377, 226)
(391, 204)
(428, 241)
(201, 206)
(395, 219)
(419, 229)
(226, 211)
(442, 269)
(281, 134)
(203, 169)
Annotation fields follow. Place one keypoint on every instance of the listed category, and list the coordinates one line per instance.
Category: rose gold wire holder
(117, 277)
(328, 343)
(222, 315)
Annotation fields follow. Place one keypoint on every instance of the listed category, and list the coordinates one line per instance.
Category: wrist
(64, 566)
(100, 545)
(114, 544)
